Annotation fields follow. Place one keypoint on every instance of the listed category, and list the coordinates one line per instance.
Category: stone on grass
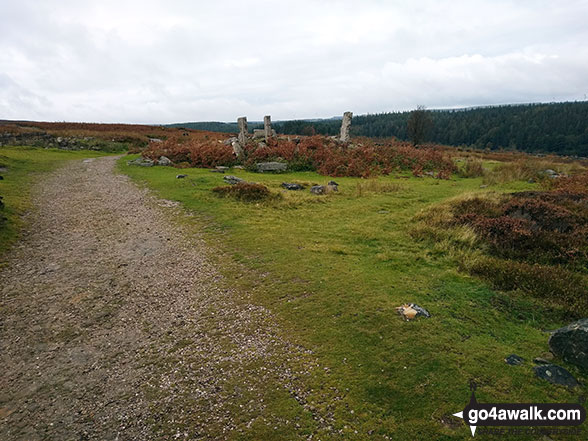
(181, 176)
(164, 160)
(514, 360)
(332, 186)
(229, 179)
(142, 162)
(318, 189)
(571, 343)
(276, 167)
(555, 374)
(410, 311)
(288, 186)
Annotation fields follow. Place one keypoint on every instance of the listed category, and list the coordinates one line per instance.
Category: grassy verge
(333, 268)
(23, 167)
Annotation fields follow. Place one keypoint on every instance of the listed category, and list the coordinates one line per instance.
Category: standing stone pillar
(345, 124)
(237, 150)
(267, 127)
(242, 124)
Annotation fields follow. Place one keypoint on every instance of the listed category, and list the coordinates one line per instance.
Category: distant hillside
(215, 126)
(549, 128)
(557, 127)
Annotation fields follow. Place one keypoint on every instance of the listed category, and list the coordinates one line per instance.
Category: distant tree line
(557, 128)
(215, 126)
(550, 128)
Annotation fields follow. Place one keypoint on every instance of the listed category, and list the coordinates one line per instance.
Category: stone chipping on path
(114, 325)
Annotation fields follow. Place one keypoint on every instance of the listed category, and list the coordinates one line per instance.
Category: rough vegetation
(90, 136)
(554, 127)
(332, 269)
(312, 153)
(532, 241)
(245, 191)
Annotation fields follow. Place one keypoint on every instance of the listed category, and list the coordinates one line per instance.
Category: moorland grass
(333, 268)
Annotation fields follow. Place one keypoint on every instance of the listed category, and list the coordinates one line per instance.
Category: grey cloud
(157, 62)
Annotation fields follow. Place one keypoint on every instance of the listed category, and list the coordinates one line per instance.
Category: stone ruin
(267, 127)
(242, 124)
(267, 132)
(345, 125)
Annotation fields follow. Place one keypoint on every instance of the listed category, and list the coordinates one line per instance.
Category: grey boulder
(571, 343)
(514, 360)
(142, 162)
(318, 189)
(555, 374)
(263, 167)
(288, 186)
(164, 160)
(229, 179)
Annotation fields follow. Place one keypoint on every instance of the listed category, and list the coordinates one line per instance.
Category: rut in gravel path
(114, 325)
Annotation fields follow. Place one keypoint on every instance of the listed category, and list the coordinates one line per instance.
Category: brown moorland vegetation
(532, 241)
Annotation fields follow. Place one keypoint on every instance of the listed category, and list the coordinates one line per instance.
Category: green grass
(333, 268)
(24, 166)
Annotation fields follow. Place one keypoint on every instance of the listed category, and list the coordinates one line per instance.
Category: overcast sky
(175, 61)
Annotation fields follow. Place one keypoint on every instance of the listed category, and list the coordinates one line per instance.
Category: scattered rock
(410, 311)
(164, 160)
(318, 189)
(332, 186)
(181, 176)
(571, 343)
(155, 140)
(263, 167)
(222, 168)
(239, 167)
(230, 141)
(288, 186)
(87, 161)
(540, 360)
(555, 374)
(142, 162)
(229, 179)
(514, 360)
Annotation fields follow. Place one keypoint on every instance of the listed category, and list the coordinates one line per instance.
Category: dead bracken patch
(245, 192)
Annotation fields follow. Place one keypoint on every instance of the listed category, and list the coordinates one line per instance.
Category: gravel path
(113, 324)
